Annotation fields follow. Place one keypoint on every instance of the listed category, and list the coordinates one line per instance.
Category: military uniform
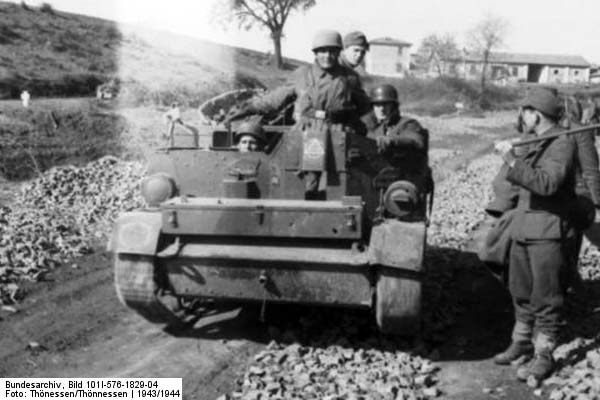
(542, 232)
(335, 95)
(587, 186)
(408, 141)
(587, 167)
(403, 141)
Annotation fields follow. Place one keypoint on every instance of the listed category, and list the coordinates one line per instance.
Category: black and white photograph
(300, 199)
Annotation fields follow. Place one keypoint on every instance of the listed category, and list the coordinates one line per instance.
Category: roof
(388, 41)
(528, 58)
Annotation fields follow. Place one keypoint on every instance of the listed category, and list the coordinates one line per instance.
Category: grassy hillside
(53, 53)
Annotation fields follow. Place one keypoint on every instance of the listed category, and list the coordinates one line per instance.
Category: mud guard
(398, 244)
(397, 249)
(136, 232)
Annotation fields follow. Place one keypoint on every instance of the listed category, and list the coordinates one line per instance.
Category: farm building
(388, 57)
(520, 67)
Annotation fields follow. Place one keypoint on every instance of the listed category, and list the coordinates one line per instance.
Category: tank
(318, 217)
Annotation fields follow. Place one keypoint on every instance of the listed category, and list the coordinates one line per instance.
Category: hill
(54, 53)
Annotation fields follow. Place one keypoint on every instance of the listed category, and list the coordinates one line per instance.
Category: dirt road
(83, 330)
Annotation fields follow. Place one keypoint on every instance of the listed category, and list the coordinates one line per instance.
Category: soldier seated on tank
(404, 138)
(250, 136)
(403, 141)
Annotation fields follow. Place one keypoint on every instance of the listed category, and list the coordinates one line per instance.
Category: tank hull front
(335, 277)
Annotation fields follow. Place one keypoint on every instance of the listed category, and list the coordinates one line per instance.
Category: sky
(534, 26)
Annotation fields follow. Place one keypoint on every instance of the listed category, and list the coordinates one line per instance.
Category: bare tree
(486, 37)
(436, 50)
(269, 14)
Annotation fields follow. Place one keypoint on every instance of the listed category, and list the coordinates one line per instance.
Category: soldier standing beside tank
(587, 172)
(587, 187)
(542, 234)
(355, 49)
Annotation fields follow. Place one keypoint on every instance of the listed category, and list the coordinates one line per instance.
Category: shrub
(438, 96)
(7, 35)
(24, 6)
(47, 8)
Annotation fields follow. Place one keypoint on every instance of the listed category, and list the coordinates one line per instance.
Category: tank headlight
(158, 188)
(401, 198)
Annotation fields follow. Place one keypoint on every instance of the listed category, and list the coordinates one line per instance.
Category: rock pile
(336, 372)
(459, 203)
(60, 216)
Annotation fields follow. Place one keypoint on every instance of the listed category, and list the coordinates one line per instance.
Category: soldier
(250, 136)
(587, 172)
(403, 141)
(355, 48)
(542, 235)
(325, 90)
(405, 137)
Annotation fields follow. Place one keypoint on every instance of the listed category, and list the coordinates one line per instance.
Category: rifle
(555, 135)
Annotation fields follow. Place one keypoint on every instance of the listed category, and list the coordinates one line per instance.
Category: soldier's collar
(320, 72)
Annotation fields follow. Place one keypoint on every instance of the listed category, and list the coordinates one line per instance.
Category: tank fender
(398, 244)
(136, 232)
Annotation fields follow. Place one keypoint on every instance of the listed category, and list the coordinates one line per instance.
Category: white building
(388, 57)
(519, 67)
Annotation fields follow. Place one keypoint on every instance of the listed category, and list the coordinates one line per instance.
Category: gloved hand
(354, 155)
(505, 149)
(383, 143)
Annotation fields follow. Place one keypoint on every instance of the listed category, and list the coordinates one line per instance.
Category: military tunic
(407, 151)
(335, 94)
(409, 140)
(542, 233)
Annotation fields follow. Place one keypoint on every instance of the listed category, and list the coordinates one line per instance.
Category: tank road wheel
(136, 286)
(398, 302)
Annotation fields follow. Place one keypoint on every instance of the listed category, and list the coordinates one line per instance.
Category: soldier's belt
(335, 117)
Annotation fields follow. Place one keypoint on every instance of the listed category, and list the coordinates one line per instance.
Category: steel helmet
(545, 101)
(384, 94)
(327, 38)
(251, 128)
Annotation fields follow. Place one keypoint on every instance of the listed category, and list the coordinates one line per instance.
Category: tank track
(136, 286)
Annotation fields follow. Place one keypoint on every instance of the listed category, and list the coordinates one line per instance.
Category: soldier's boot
(514, 351)
(520, 346)
(542, 365)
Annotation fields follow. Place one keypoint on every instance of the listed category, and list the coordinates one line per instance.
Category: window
(399, 67)
(400, 50)
(556, 72)
(473, 69)
(576, 73)
(515, 71)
